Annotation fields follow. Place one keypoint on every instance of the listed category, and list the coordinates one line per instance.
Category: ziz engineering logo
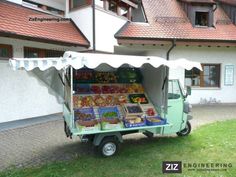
(176, 166)
(172, 167)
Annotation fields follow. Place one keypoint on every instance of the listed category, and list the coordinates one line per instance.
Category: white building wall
(83, 19)
(21, 94)
(99, 3)
(217, 55)
(107, 24)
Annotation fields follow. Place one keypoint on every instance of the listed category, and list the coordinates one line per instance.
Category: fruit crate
(132, 110)
(105, 77)
(130, 123)
(109, 122)
(81, 88)
(83, 75)
(88, 125)
(88, 114)
(104, 112)
(155, 120)
(129, 75)
(138, 98)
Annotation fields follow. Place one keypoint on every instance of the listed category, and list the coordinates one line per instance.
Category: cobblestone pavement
(42, 143)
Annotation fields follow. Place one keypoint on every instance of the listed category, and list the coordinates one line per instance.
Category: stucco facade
(22, 94)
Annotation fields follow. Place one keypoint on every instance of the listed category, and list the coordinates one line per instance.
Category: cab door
(175, 107)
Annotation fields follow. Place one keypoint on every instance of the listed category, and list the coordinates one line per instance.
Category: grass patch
(213, 143)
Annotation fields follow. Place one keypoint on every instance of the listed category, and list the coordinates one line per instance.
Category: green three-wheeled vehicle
(107, 96)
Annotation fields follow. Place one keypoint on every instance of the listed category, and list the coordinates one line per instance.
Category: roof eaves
(177, 39)
(117, 34)
(40, 39)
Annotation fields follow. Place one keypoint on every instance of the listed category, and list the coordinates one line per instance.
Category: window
(174, 91)
(5, 51)
(209, 77)
(112, 6)
(124, 11)
(202, 19)
(79, 3)
(40, 53)
(192, 77)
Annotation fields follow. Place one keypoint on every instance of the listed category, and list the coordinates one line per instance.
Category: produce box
(84, 75)
(150, 111)
(84, 114)
(85, 101)
(105, 77)
(110, 118)
(109, 112)
(134, 122)
(81, 88)
(88, 125)
(129, 75)
(134, 88)
(95, 89)
(107, 125)
(132, 110)
(156, 120)
(138, 98)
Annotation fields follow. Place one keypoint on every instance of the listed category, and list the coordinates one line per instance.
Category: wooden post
(105, 4)
(129, 16)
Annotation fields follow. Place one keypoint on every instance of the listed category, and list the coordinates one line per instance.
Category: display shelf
(76, 132)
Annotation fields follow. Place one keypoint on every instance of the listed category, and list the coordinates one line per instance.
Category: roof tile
(167, 20)
(14, 19)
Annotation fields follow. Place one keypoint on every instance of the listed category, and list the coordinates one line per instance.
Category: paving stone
(46, 142)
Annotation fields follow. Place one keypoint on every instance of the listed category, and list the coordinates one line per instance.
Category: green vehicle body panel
(175, 115)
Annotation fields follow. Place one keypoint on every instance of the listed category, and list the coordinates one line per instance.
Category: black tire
(148, 134)
(186, 130)
(108, 147)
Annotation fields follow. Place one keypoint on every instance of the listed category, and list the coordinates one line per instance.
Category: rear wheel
(148, 134)
(186, 130)
(108, 147)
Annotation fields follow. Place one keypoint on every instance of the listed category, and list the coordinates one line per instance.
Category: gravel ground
(46, 142)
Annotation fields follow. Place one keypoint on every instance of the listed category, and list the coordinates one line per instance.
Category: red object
(168, 20)
(96, 89)
(15, 21)
(150, 112)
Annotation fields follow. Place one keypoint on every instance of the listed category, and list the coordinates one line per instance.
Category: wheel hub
(109, 149)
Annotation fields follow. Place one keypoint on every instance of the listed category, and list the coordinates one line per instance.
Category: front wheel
(108, 147)
(186, 130)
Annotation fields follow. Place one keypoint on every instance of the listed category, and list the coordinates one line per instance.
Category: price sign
(229, 75)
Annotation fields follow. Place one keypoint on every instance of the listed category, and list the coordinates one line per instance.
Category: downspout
(168, 58)
(94, 32)
(165, 83)
(170, 49)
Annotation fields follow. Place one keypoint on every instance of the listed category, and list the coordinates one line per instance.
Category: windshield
(174, 90)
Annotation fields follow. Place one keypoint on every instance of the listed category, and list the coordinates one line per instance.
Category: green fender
(99, 137)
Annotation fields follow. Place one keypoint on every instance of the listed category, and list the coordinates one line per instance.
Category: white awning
(91, 60)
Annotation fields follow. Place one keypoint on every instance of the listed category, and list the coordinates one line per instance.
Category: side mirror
(188, 91)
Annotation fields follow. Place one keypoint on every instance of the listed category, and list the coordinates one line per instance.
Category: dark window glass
(31, 52)
(192, 77)
(174, 91)
(209, 77)
(41, 53)
(5, 51)
(112, 6)
(53, 53)
(202, 19)
(79, 3)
